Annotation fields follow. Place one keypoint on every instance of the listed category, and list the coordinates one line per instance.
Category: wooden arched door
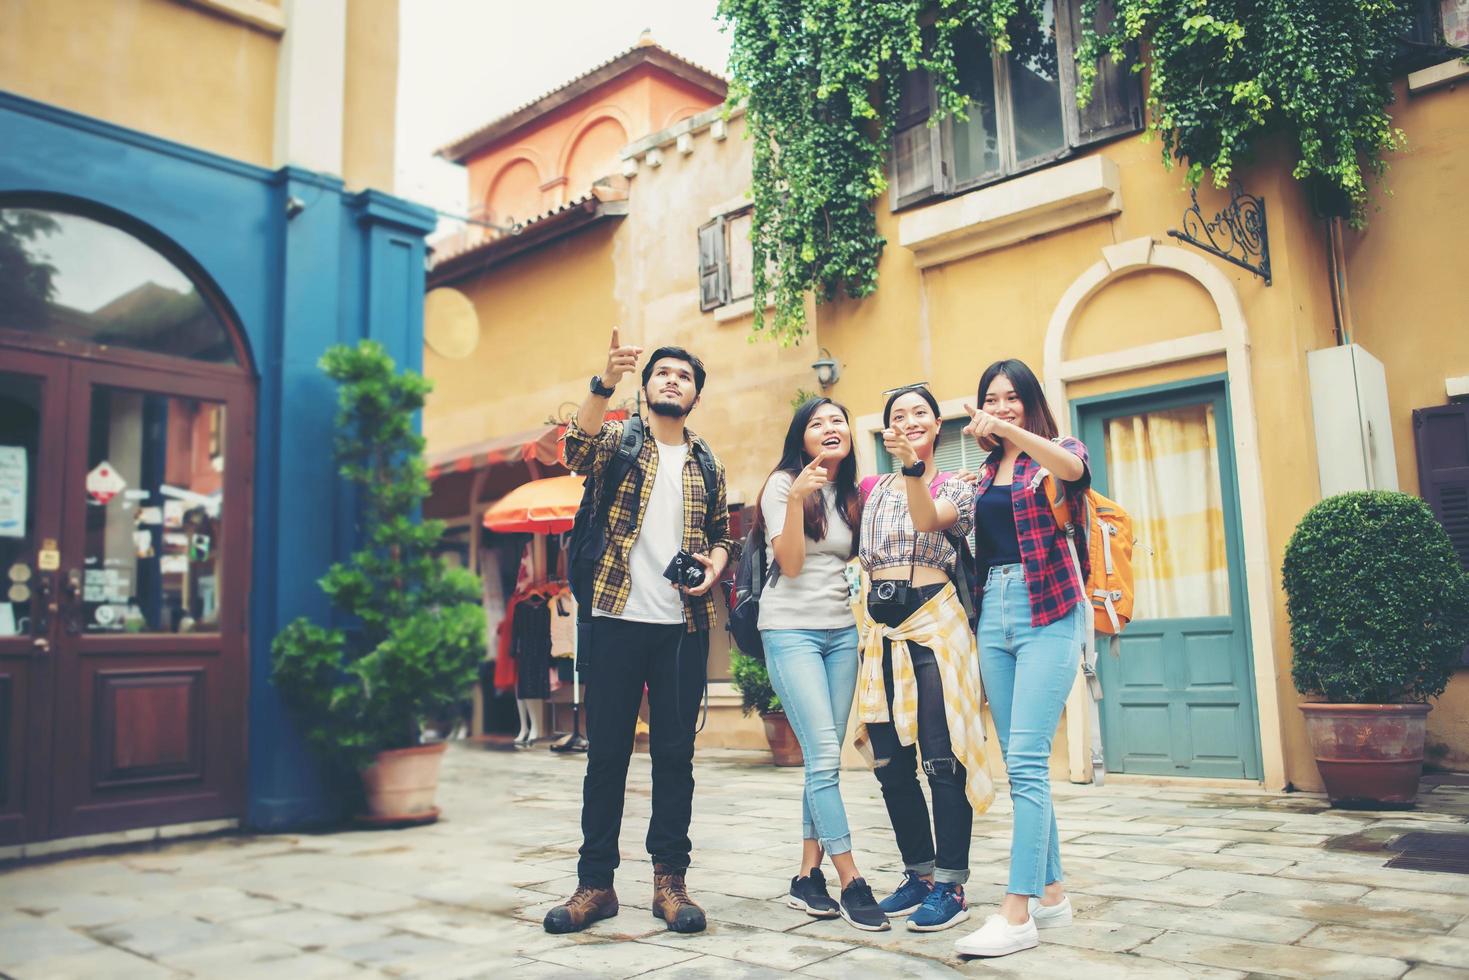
(126, 459)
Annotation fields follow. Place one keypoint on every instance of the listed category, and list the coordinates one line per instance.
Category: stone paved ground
(1167, 881)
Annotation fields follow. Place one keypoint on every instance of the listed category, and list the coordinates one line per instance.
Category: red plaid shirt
(1049, 577)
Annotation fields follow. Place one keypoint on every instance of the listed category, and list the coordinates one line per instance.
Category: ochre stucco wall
(369, 116)
(163, 67)
(1406, 290)
(544, 320)
(181, 72)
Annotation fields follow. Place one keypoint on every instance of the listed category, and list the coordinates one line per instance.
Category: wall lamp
(828, 372)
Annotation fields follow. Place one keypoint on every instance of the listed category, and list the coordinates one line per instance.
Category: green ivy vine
(820, 82)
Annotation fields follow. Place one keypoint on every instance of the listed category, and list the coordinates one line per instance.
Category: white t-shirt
(652, 598)
(816, 598)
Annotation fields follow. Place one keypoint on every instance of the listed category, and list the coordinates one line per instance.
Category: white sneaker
(998, 938)
(1051, 916)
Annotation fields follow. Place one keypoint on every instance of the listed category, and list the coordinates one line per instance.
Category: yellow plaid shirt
(702, 532)
(938, 624)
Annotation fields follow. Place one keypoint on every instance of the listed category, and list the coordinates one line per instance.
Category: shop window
(1441, 436)
(1022, 110)
(726, 260)
(73, 278)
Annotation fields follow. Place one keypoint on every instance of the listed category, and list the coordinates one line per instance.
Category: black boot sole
(557, 927)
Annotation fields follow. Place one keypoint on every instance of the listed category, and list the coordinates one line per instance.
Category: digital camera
(890, 593)
(685, 570)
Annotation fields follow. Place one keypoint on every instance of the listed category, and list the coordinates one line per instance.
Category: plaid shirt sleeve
(587, 455)
(717, 523)
(1050, 578)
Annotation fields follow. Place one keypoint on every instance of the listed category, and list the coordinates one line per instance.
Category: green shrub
(1377, 599)
(417, 630)
(749, 676)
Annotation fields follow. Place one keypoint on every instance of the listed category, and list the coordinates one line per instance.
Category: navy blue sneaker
(908, 897)
(944, 907)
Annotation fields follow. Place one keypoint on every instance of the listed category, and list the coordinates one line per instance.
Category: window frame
(725, 296)
(945, 184)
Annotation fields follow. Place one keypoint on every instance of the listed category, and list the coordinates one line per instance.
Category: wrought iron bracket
(1237, 234)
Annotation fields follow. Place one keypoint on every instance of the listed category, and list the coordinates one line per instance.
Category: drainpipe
(1336, 268)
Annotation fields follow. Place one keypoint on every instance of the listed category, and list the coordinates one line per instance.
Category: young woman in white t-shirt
(810, 512)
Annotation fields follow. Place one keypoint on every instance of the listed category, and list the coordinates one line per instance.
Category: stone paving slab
(1167, 879)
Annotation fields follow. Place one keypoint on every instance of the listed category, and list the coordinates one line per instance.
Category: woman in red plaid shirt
(1031, 627)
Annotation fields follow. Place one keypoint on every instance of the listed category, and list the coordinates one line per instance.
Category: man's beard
(669, 410)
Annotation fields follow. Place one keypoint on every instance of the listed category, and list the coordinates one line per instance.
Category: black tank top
(994, 520)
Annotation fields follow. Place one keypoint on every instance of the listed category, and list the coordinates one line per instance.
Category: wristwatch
(917, 469)
(601, 390)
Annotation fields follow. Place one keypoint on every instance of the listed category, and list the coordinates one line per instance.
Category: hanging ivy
(820, 82)
(1224, 72)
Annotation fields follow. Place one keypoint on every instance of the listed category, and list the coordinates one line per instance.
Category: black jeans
(623, 657)
(897, 767)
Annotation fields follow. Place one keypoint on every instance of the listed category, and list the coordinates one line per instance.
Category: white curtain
(1164, 468)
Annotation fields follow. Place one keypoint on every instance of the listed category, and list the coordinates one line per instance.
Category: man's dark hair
(677, 353)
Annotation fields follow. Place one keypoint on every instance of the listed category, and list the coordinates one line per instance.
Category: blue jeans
(1028, 671)
(814, 673)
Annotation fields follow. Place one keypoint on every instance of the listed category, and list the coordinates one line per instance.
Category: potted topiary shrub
(751, 680)
(1379, 615)
(412, 632)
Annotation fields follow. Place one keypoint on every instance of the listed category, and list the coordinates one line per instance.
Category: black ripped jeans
(897, 766)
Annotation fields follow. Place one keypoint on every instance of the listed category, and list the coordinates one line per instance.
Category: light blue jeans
(1028, 671)
(814, 673)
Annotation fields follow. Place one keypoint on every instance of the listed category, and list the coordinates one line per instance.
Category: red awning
(541, 445)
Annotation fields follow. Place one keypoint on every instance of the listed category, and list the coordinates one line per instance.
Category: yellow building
(1217, 405)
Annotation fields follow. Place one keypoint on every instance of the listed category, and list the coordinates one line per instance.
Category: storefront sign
(12, 491)
(104, 483)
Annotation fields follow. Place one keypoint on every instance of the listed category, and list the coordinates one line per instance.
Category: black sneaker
(810, 896)
(860, 908)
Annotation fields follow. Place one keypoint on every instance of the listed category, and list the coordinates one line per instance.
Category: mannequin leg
(523, 707)
(534, 709)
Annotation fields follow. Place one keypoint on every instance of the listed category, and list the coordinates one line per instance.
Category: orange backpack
(1105, 530)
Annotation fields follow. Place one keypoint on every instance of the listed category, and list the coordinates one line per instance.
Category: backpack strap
(624, 461)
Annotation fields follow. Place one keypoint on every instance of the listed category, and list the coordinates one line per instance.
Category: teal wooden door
(1180, 699)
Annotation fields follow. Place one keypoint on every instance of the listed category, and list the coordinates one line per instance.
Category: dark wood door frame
(72, 785)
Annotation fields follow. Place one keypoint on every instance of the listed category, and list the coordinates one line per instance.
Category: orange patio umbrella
(539, 507)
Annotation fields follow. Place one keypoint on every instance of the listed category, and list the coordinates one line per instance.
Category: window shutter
(1116, 106)
(917, 152)
(713, 266)
(1442, 437)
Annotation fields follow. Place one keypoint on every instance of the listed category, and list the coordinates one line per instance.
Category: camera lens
(886, 591)
(693, 576)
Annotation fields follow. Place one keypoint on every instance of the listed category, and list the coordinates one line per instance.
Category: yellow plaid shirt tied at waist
(938, 624)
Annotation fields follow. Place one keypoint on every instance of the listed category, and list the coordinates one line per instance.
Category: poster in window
(13, 477)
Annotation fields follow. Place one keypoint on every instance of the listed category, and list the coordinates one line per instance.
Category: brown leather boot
(671, 901)
(585, 906)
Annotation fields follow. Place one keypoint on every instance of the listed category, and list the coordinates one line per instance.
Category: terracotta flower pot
(782, 739)
(401, 783)
(1368, 753)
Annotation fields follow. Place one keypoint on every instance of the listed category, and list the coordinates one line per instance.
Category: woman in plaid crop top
(918, 686)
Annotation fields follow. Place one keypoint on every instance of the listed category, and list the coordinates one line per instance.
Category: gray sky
(464, 62)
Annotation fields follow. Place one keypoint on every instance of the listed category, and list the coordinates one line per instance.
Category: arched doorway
(126, 460)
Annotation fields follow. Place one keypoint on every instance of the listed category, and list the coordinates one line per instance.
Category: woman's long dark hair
(794, 458)
(1038, 417)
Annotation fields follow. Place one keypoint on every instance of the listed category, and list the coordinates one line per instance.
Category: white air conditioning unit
(1354, 445)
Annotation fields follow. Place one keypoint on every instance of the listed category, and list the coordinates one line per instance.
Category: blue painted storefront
(345, 267)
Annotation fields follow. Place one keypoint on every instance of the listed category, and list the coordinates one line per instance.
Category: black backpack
(589, 528)
(754, 573)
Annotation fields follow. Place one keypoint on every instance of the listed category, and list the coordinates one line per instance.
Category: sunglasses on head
(915, 386)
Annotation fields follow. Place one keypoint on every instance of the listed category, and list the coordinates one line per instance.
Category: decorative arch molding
(1233, 341)
(591, 118)
(523, 155)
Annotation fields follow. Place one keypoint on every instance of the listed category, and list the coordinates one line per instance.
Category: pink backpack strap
(864, 489)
